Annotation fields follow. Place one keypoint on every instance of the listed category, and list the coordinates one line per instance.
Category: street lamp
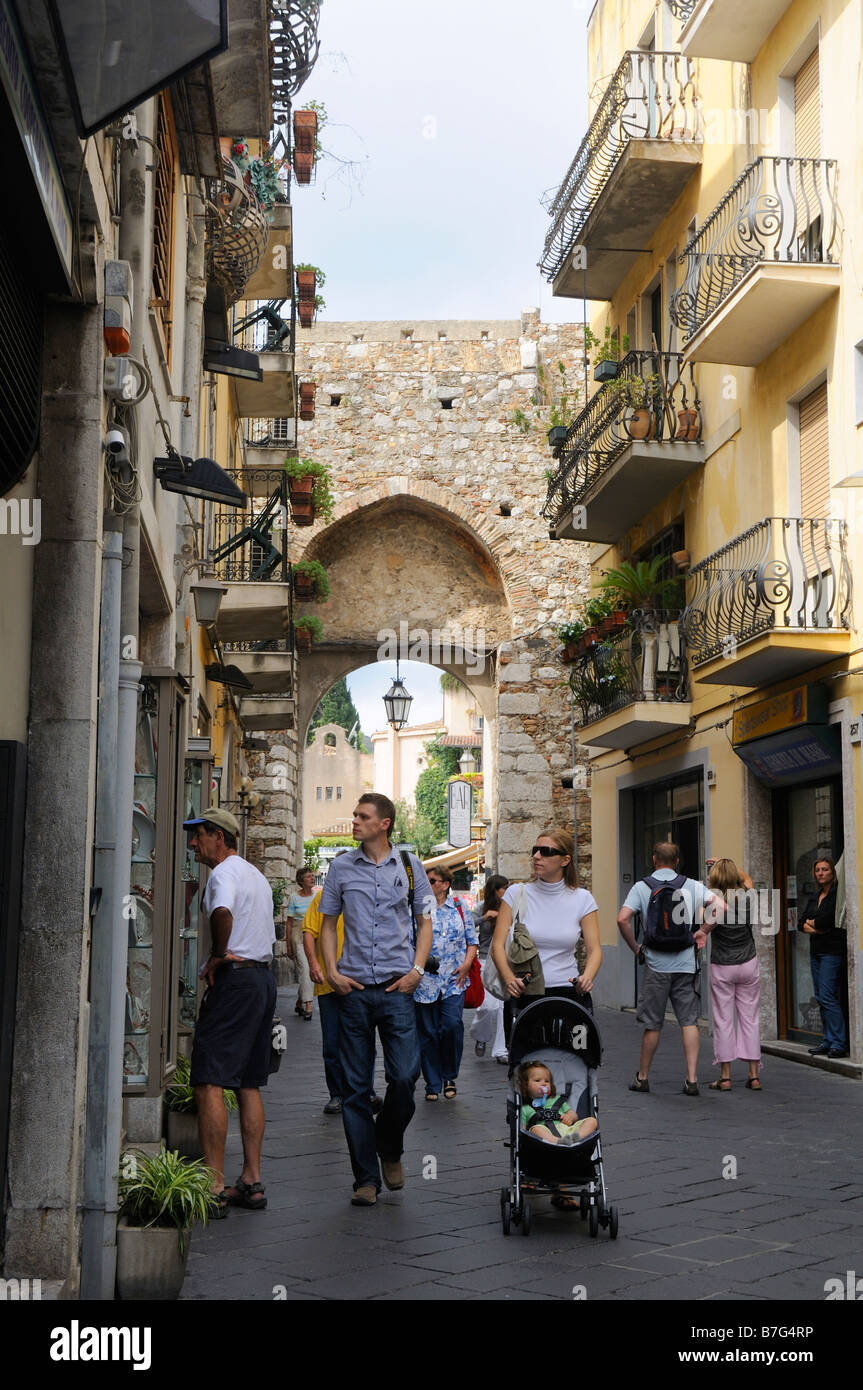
(467, 763)
(397, 703)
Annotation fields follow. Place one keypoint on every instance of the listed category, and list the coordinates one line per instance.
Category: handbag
(475, 992)
(490, 976)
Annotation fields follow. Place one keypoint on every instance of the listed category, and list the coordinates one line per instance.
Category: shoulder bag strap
(406, 860)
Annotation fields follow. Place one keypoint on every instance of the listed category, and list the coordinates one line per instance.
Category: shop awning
(454, 858)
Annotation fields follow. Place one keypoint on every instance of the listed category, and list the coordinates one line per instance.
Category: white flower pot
(149, 1263)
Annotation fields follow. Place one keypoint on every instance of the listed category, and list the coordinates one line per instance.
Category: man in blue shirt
(668, 975)
(374, 979)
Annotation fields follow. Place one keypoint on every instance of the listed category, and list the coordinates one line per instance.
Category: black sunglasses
(546, 851)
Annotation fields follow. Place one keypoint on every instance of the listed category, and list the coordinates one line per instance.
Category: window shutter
(807, 110)
(814, 455)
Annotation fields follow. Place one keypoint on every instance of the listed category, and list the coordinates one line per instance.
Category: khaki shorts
(656, 991)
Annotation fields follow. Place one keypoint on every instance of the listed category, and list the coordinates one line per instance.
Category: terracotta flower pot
(614, 622)
(641, 424)
(305, 131)
(301, 486)
(570, 653)
(681, 559)
(688, 424)
(303, 511)
(306, 283)
(304, 640)
(304, 586)
(304, 161)
(306, 312)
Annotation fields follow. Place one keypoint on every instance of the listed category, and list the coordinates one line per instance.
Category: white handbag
(490, 977)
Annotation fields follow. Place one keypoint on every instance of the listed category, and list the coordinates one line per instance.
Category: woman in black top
(827, 958)
(734, 976)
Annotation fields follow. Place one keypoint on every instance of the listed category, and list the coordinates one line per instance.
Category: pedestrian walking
(734, 976)
(828, 958)
(301, 897)
(557, 914)
(487, 1024)
(439, 996)
(233, 1037)
(380, 966)
(671, 907)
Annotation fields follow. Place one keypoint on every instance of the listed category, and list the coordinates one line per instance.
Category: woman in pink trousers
(734, 982)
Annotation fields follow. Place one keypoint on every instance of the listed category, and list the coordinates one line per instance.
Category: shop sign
(807, 704)
(24, 101)
(796, 755)
(459, 813)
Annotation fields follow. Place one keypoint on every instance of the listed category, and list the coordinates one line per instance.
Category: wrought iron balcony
(295, 46)
(786, 578)
(781, 212)
(651, 97)
(645, 665)
(253, 547)
(237, 231)
(682, 9)
(648, 421)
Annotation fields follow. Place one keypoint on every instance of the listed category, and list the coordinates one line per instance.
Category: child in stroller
(556, 1040)
(543, 1111)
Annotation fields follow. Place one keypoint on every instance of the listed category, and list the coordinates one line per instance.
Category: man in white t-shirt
(233, 1037)
(668, 975)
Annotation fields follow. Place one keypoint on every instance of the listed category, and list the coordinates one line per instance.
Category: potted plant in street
(310, 581)
(161, 1197)
(309, 491)
(308, 630)
(180, 1103)
(608, 352)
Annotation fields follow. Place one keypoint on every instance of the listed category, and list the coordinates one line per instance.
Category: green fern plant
(180, 1094)
(163, 1189)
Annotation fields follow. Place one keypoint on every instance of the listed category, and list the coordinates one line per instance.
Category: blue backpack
(668, 920)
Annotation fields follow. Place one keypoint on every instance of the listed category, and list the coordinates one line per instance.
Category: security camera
(117, 444)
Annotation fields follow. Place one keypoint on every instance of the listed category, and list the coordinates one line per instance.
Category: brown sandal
(723, 1084)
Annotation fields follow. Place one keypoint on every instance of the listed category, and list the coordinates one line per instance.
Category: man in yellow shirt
(328, 1005)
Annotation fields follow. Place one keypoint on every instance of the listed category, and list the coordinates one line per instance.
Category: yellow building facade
(712, 217)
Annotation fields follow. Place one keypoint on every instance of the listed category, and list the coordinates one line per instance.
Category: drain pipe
(108, 1006)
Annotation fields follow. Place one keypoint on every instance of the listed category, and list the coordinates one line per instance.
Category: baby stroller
(564, 1036)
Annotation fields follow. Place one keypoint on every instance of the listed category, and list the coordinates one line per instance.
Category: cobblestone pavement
(791, 1219)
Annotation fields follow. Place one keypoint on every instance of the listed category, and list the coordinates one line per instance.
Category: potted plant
(638, 585)
(309, 491)
(307, 400)
(605, 614)
(308, 630)
(638, 394)
(571, 635)
(310, 581)
(161, 1197)
(688, 424)
(608, 352)
(279, 888)
(304, 163)
(309, 279)
(305, 130)
(180, 1103)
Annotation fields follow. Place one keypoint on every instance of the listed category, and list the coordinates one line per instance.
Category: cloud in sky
(460, 114)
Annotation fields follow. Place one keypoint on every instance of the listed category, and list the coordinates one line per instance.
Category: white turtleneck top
(552, 915)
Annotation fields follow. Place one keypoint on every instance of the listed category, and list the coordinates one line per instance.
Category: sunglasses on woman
(546, 851)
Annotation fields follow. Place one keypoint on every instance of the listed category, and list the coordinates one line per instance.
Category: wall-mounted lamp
(199, 478)
(208, 595)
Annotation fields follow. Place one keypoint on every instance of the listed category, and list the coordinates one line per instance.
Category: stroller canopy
(555, 1023)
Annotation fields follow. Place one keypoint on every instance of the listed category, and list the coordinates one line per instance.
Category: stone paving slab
(787, 1222)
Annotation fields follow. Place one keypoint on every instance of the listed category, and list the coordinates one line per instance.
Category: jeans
(394, 1017)
(441, 1037)
(328, 1004)
(828, 976)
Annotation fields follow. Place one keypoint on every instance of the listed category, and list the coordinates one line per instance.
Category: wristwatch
(418, 969)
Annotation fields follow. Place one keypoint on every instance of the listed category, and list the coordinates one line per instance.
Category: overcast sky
(460, 114)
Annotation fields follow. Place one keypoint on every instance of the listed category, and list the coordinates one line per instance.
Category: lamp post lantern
(397, 703)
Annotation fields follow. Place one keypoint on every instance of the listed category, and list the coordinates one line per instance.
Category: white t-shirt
(552, 915)
(243, 890)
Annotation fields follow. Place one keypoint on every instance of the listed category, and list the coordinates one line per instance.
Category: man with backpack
(385, 900)
(672, 910)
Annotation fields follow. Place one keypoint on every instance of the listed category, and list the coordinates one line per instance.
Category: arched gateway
(437, 545)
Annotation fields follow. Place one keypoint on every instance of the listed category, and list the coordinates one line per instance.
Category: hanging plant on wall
(308, 630)
(309, 490)
(310, 581)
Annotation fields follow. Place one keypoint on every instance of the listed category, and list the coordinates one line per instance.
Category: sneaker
(479, 1049)
(640, 1083)
(333, 1106)
(690, 1088)
(837, 1052)
(393, 1174)
(365, 1196)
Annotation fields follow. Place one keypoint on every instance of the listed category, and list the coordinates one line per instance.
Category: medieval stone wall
(435, 435)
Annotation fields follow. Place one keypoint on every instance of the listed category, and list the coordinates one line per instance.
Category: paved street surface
(790, 1220)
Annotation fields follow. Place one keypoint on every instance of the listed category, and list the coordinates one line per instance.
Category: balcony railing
(252, 546)
(647, 662)
(266, 326)
(237, 231)
(295, 45)
(278, 432)
(682, 9)
(605, 427)
(785, 574)
(652, 96)
(781, 210)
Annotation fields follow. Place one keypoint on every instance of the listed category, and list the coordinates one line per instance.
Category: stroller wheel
(594, 1221)
(505, 1210)
(525, 1218)
(612, 1222)
(584, 1206)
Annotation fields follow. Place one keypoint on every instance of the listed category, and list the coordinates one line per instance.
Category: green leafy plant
(163, 1189)
(609, 348)
(323, 117)
(314, 571)
(262, 170)
(598, 609)
(320, 281)
(639, 392)
(311, 856)
(639, 585)
(180, 1094)
(571, 632)
(323, 497)
(279, 889)
(310, 625)
(520, 420)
